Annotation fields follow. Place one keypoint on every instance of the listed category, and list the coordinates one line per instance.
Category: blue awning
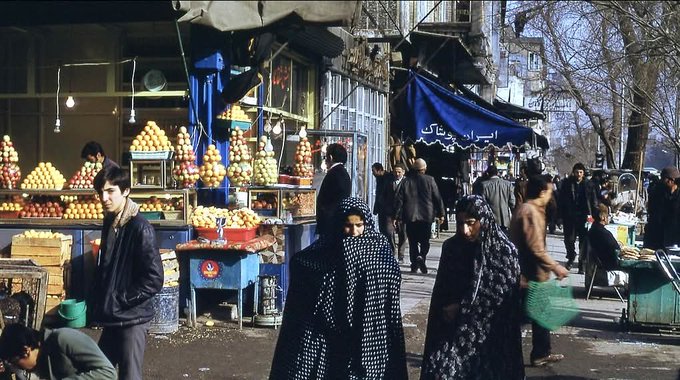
(438, 115)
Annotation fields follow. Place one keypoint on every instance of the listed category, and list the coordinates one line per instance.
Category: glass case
(281, 201)
(265, 202)
(298, 203)
(151, 174)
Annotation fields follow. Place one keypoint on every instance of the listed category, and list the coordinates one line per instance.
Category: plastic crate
(231, 234)
(25, 277)
(152, 215)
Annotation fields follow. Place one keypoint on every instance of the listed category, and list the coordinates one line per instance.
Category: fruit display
(11, 206)
(235, 112)
(266, 169)
(9, 169)
(264, 202)
(84, 178)
(185, 171)
(157, 204)
(239, 171)
(212, 171)
(42, 208)
(151, 139)
(205, 217)
(42, 234)
(84, 209)
(44, 176)
(303, 159)
(300, 204)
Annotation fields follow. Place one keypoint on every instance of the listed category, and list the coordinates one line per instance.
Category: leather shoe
(569, 264)
(552, 358)
(421, 264)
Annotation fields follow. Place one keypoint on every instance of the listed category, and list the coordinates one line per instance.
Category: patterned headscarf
(496, 274)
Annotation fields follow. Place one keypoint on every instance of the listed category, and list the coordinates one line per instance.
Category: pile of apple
(266, 170)
(151, 139)
(84, 178)
(212, 171)
(11, 206)
(156, 204)
(303, 159)
(42, 209)
(239, 171)
(84, 209)
(235, 112)
(9, 169)
(44, 176)
(185, 171)
(204, 217)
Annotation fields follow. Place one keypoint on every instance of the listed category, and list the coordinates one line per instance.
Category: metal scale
(268, 314)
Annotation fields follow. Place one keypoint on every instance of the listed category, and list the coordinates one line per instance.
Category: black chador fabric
(342, 318)
(484, 340)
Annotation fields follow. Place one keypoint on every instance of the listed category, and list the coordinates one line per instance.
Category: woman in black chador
(342, 318)
(474, 325)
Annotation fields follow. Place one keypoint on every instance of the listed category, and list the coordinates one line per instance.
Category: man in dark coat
(418, 204)
(129, 273)
(663, 221)
(381, 205)
(388, 200)
(578, 201)
(498, 193)
(93, 152)
(335, 186)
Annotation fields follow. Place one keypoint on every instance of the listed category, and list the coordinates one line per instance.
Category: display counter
(652, 299)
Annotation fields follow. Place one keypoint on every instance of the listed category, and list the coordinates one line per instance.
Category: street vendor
(93, 152)
(663, 220)
(602, 243)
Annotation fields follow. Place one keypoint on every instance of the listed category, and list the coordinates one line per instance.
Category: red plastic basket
(231, 234)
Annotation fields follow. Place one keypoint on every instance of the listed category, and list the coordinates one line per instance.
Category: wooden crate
(44, 251)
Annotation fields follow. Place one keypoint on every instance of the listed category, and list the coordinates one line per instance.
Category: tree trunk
(638, 130)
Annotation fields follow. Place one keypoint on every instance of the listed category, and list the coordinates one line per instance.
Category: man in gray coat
(499, 194)
(418, 203)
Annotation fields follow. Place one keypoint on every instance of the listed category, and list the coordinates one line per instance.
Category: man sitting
(604, 246)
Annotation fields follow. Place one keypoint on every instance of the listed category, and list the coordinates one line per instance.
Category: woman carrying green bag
(527, 232)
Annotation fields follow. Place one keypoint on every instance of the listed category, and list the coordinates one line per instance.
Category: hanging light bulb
(303, 132)
(70, 102)
(57, 126)
(268, 126)
(277, 128)
(269, 147)
(133, 114)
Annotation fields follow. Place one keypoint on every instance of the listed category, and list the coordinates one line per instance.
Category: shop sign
(210, 269)
(369, 63)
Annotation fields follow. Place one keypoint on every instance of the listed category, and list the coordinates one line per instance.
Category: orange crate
(231, 234)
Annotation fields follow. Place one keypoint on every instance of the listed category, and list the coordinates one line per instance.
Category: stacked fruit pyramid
(151, 139)
(303, 159)
(84, 178)
(212, 171)
(9, 169)
(239, 171)
(266, 171)
(86, 208)
(185, 171)
(235, 112)
(44, 177)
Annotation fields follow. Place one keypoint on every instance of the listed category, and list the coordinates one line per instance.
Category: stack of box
(51, 251)
(170, 268)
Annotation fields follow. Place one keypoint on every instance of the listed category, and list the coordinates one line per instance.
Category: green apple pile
(266, 170)
(239, 171)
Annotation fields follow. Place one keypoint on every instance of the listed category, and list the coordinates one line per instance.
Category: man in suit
(499, 194)
(335, 186)
(418, 204)
(382, 206)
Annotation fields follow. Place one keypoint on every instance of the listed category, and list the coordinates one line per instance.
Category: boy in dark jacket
(129, 273)
(54, 354)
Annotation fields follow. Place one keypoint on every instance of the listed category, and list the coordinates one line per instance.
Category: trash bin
(73, 313)
(166, 311)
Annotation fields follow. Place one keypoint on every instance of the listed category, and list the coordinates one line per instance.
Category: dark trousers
(386, 227)
(540, 341)
(401, 239)
(418, 234)
(575, 227)
(124, 347)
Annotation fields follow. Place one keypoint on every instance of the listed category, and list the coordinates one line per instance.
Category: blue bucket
(166, 311)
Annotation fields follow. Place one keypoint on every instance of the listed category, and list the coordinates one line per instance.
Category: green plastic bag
(550, 304)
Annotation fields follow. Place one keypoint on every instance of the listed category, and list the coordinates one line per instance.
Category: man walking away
(336, 186)
(499, 195)
(418, 204)
(527, 232)
(129, 273)
(578, 201)
(387, 207)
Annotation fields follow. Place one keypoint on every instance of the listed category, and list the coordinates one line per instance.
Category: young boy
(54, 354)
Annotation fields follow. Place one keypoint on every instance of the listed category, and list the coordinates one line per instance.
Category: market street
(593, 343)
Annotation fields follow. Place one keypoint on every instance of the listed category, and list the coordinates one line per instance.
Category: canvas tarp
(241, 15)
